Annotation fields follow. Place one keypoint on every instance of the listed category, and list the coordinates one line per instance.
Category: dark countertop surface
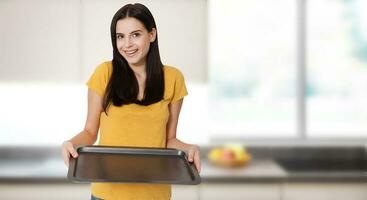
(266, 166)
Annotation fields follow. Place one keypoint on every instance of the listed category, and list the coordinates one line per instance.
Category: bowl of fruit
(230, 155)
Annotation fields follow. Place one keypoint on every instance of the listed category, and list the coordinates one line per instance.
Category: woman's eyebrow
(136, 31)
(130, 33)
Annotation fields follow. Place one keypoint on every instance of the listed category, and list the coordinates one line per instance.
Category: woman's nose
(128, 42)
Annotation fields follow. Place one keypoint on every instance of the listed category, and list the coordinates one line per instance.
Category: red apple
(228, 155)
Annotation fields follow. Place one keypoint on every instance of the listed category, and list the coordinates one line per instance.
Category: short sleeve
(179, 87)
(99, 79)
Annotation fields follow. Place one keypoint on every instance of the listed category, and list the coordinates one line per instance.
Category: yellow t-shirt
(135, 125)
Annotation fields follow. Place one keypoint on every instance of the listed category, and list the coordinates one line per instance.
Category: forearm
(83, 138)
(178, 144)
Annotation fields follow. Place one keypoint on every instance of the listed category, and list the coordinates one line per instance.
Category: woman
(134, 100)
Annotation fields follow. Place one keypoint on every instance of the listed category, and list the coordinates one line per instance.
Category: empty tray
(132, 164)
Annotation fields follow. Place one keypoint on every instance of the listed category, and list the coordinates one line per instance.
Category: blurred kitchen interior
(290, 72)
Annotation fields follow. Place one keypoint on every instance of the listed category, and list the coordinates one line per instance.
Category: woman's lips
(130, 53)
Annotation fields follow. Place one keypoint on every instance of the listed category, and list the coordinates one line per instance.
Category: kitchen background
(259, 73)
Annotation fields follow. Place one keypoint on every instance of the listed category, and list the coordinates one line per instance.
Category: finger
(67, 161)
(197, 161)
(72, 151)
(191, 156)
(65, 156)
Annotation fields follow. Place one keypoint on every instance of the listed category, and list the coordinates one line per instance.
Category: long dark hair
(123, 87)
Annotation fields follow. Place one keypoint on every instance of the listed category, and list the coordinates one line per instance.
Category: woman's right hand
(67, 150)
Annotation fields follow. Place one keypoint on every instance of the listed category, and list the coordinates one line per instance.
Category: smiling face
(133, 41)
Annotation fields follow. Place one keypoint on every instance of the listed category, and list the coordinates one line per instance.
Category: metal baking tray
(132, 164)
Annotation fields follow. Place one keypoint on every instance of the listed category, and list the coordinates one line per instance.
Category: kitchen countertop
(260, 169)
(256, 170)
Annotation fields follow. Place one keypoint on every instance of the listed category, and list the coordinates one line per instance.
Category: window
(252, 63)
(336, 68)
(262, 54)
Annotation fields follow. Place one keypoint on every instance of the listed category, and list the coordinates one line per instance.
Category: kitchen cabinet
(59, 48)
(185, 192)
(240, 191)
(204, 191)
(284, 191)
(41, 41)
(44, 191)
(324, 191)
(62, 191)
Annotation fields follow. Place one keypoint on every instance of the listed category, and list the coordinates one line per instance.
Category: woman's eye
(136, 35)
(119, 36)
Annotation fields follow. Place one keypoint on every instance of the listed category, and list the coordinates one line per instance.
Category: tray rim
(196, 179)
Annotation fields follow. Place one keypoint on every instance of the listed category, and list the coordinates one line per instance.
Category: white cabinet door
(46, 191)
(185, 192)
(239, 191)
(56, 191)
(324, 191)
(40, 40)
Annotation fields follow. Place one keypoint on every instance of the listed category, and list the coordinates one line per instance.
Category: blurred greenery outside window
(256, 51)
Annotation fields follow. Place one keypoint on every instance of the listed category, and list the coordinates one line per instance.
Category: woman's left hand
(194, 156)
